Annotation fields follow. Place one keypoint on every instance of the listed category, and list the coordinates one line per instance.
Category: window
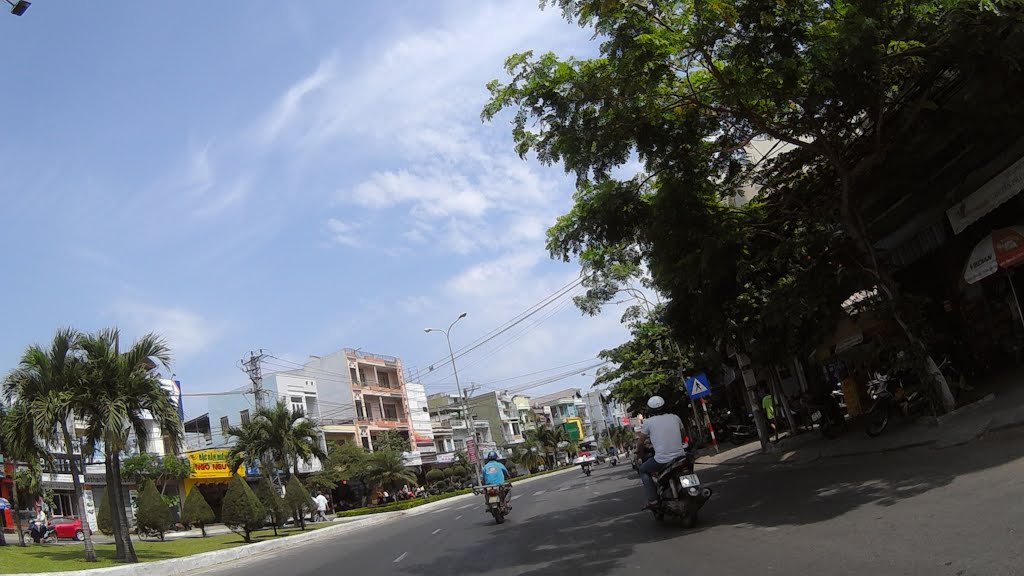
(359, 410)
(224, 425)
(352, 374)
(244, 414)
(297, 404)
(362, 375)
(383, 378)
(390, 412)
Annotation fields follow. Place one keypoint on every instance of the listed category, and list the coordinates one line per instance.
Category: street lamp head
(463, 315)
(428, 330)
(18, 8)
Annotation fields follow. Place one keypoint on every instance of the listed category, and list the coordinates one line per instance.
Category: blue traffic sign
(697, 386)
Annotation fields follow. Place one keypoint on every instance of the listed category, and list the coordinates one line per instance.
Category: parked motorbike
(827, 413)
(496, 498)
(41, 532)
(891, 398)
(680, 493)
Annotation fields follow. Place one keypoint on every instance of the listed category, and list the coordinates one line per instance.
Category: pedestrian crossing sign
(697, 386)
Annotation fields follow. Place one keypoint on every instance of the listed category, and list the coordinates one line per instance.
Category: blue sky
(294, 176)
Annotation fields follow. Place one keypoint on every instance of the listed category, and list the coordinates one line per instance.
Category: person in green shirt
(768, 404)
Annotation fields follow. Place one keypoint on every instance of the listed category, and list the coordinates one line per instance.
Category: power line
(516, 320)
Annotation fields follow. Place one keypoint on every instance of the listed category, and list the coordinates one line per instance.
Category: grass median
(68, 556)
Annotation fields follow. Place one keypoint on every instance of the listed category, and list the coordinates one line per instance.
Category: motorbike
(496, 498)
(891, 397)
(680, 493)
(40, 532)
(586, 468)
(614, 460)
(827, 413)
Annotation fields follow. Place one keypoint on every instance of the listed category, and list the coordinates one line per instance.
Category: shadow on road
(599, 536)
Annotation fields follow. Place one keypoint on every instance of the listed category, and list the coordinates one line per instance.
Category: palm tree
(386, 469)
(286, 436)
(19, 442)
(121, 394)
(46, 383)
(550, 437)
(528, 455)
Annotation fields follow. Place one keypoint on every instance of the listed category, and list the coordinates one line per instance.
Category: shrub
(103, 515)
(298, 500)
(197, 510)
(153, 512)
(272, 502)
(435, 475)
(242, 511)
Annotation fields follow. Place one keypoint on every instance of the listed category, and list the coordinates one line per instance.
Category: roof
(556, 396)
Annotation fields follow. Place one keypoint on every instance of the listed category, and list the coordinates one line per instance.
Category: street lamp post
(455, 370)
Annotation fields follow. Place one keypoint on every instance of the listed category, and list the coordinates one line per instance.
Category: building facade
(453, 426)
(567, 409)
(368, 389)
(605, 412)
(422, 436)
(502, 415)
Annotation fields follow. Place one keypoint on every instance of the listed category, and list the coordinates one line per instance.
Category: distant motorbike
(496, 498)
(891, 398)
(827, 413)
(614, 460)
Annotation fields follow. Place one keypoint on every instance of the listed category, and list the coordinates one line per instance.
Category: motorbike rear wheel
(499, 516)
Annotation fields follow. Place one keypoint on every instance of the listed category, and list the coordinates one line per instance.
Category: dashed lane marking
(436, 531)
(399, 559)
(539, 492)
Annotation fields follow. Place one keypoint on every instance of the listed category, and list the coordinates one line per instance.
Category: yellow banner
(211, 464)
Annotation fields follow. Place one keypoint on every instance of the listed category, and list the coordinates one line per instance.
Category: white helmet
(655, 402)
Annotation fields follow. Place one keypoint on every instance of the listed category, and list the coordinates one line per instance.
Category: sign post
(697, 387)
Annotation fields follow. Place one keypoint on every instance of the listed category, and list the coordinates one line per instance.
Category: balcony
(481, 424)
(373, 387)
(457, 424)
(391, 423)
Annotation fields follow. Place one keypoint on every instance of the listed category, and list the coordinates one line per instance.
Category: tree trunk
(113, 496)
(777, 384)
(90, 550)
(750, 385)
(129, 549)
(17, 517)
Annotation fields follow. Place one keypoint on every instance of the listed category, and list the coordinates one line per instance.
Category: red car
(70, 528)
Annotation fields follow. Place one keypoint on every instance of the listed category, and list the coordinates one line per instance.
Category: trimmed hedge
(407, 504)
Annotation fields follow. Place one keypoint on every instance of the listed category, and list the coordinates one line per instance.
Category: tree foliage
(153, 512)
(197, 511)
(241, 510)
(272, 502)
(103, 515)
(298, 501)
(435, 475)
(686, 88)
(386, 469)
(392, 440)
(278, 432)
(169, 470)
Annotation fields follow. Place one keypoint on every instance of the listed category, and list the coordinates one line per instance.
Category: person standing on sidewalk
(768, 404)
(321, 507)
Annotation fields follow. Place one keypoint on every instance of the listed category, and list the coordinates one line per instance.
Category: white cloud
(281, 116)
(220, 200)
(344, 233)
(187, 333)
(432, 194)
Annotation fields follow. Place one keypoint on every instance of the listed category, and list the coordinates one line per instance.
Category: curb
(941, 420)
(174, 566)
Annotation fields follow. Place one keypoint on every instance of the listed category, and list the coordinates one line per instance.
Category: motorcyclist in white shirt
(666, 433)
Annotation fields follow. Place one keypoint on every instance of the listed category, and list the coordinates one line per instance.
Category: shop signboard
(212, 463)
(90, 510)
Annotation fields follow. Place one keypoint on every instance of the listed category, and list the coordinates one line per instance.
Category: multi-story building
(527, 418)
(605, 412)
(501, 413)
(567, 409)
(366, 388)
(454, 424)
(422, 441)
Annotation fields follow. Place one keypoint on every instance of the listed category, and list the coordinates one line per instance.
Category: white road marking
(436, 531)
(441, 510)
(563, 488)
(517, 496)
(597, 493)
(458, 517)
(539, 492)
(399, 559)
(467, 506)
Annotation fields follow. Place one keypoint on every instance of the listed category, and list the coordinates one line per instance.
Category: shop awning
(990, 196)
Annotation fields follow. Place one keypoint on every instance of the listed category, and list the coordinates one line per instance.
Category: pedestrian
(321, 507)
(768, 403)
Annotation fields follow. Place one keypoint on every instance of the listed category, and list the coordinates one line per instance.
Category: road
(950, 512)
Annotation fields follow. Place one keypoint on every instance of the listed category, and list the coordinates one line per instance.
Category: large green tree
(687, 87)
(391, 440)
(45, 384)
(196, 511)
(241, 510)
(386, 469)
(284, 435)
(154, 514)
(120, 396)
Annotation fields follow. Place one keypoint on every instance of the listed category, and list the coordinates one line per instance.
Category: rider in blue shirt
(494, 472)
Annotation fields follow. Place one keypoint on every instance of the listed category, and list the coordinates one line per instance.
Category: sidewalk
(996, 411)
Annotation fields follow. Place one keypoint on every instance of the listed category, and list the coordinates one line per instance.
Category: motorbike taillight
(492, 492)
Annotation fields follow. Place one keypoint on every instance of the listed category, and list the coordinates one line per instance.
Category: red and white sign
(471, 451)
(1003, 248)
(625, 420)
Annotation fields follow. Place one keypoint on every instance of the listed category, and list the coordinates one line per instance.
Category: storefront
(211, 475)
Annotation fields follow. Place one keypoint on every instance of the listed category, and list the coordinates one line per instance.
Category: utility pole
(253, 368)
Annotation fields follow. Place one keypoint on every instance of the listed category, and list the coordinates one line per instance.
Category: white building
(421, 437)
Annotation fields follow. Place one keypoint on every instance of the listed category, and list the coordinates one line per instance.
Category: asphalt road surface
(954, 512)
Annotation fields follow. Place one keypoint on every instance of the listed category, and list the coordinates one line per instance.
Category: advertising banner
(211, 463)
